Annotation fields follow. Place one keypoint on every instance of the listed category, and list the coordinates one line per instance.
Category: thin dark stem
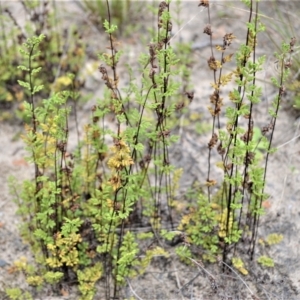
(257, 216)
(233, 138)
(250, 127)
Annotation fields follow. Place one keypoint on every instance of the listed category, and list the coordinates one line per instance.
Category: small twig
(189, 282)
(177, 279)
(238, 277)
(199, 265)
(180, 29)
(193, 279)
(286, 143)
(132, 290)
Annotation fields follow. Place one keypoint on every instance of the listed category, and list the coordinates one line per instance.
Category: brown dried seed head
(95, 119)
(229, 166)
(215, 97)
(152, 73)
(152, 49)
(288, 64)
(102, 69)
(220, 149)
(282, 90)
(166, 39)
(249, 158)
(292, 42)
(228, 38)
(142, 164)
(179, 106)
(204, 3)
(264, 130)
(267, 128)
(190, 95)
(164, 133)
(162, 6)
(213, 141)
(247, 136)
(160, 24)
(217, 110)
(160, 45)
(147, 158)
(207, 29)
(212, 63)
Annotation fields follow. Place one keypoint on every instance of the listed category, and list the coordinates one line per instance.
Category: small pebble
(3, 263)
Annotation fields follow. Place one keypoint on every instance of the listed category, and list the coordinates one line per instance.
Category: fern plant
(242, 189)
(62, 52)
(221, 219)
(76, 209)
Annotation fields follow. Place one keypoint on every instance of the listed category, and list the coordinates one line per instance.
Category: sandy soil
(168, 278)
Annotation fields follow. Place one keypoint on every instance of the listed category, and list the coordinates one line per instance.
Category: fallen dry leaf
(266, 204)
(64, 292)
(20, 162)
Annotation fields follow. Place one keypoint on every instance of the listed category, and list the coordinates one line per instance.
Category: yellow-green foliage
(266, 261)
(145, 235)
(184, 253)
(18, 294)
(21, 264)
(225, 230)
(274, 238)
(200, 227)
(128, 258)
(239, 265)
(64, 251)
(35, 280)
(53, 277)
(87, 279)
(175, 184)
(146, 260)
(51, 57)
